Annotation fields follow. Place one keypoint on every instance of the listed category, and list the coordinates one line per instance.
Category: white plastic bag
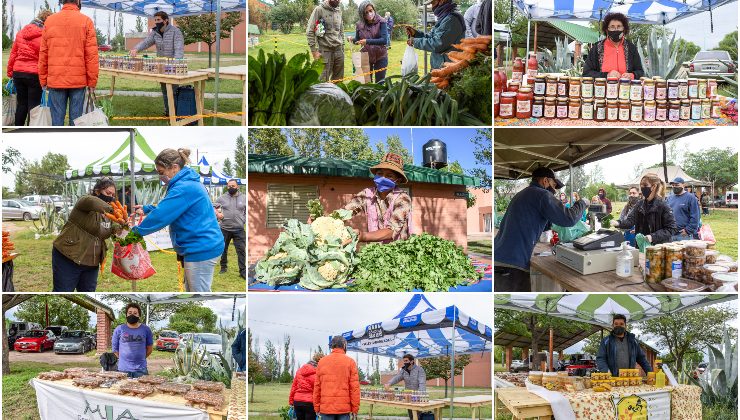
(40, 116)
(409, 63)
(92, 116)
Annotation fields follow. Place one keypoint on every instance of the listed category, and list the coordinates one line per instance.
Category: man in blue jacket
(531, 212)
(449, 29)
(239, 351)
(686, 211)
(620, 349)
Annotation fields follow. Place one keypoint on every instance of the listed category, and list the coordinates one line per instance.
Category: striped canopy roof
(171, 7)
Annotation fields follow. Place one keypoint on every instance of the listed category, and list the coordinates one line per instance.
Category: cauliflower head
(323, 227)
(286, 268)
(330, 270)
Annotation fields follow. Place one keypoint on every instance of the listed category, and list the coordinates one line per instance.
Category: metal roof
(560, 340)
(307, 166)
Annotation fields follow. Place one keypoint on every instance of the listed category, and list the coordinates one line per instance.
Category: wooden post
(534, 47)
(509, 356)
(552, 336)
(577, 52)
(499, 55)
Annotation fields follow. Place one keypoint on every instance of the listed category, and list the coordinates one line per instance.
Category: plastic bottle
(659, 376)
(531, 68)
(624, 261)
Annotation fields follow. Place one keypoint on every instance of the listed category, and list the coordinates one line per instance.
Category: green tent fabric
(584, 34)
(597, 309)
(297, 165)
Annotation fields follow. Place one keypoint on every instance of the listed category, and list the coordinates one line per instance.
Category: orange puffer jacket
(337, 386)
(303, 382)
(69, 50)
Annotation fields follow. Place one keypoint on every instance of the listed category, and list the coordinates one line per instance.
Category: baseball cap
(543, 172)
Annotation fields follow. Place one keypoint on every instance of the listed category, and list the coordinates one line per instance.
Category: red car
(35, 340)
(104, 47)
(167, 340)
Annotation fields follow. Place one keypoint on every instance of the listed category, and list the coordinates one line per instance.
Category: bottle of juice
(659, 375)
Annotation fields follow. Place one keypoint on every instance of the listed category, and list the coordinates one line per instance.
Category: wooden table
(196, 78)
(474, 402)
(523, 404)
(434, 405)
(232, 73)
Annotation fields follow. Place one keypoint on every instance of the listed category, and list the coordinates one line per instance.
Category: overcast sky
(310, 318)
(24, 13)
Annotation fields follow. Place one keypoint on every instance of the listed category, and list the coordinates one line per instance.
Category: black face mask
(615, 35)
(646, 191)
(619, 330)
(333, 4)
(601, 196)
(106, 198)
(407, 366)
(132, 319)
(677, 190)
(233, 191)
(158, 26)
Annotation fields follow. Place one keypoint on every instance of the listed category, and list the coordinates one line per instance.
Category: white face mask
(371, 16)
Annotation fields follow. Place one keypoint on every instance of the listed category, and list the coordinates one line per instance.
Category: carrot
(450, 68)
(443, 84)
(125, 209)
(437, 73)
(110, 216)
(458, 56)
(436, 80)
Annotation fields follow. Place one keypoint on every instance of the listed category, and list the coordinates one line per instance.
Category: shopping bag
(92, 116)
(9, 104)
(706, 234)
(570, 234)
(361, 66)
(185, 102)
(409, 63)
(41, 115)
(131, 262)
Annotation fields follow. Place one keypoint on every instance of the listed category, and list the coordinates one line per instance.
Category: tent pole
(572, 190)
(551, 367)
(424, 23)
(131, 148)
(218, 59)
(529, 29)
(665, 154)
(452, 365)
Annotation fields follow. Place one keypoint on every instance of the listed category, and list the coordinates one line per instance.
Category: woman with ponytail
(651, 216)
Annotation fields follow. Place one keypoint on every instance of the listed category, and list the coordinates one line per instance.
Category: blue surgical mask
(165, 179)
(384, 184)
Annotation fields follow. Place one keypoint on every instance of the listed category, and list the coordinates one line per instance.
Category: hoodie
(24, 56)
(188, 211)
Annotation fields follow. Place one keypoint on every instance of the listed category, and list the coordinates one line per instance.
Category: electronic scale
(594, 253)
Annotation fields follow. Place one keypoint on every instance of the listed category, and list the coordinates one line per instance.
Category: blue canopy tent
(217, 177)
(175, 8)
(423, 330)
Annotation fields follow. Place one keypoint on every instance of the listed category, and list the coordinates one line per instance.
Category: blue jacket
(686, 211)
(239, 350)
(187, 210)
(530, 213)
(447, 31)
(606, 360)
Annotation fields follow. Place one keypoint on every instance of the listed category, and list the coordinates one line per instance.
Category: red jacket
(302, 389)
(68, 58)
(337, 388)
(24, 57)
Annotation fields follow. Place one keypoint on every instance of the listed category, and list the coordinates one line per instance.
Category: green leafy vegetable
(466, 87)
(130, 238)
(315, 209)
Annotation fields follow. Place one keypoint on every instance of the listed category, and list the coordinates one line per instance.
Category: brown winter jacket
(337, 386)
(82, 239)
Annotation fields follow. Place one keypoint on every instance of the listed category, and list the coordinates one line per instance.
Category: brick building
(480, 216)
(477, 374)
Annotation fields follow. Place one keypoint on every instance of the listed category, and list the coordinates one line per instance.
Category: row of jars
(157, 65)
(524, 104)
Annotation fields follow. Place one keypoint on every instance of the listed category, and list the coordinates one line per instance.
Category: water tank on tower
(435, 154)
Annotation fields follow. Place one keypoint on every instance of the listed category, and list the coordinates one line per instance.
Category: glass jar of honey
(706, 108)
(683, 89)
(600, 110)
(693, 88)
(661, 89)
(674, 111)
(686, 110)
(587, 87)
(661, 110)
(716, 108)
(563, 86)
(648, 90)
(540, 86)
(549, 111)
(551, 86)
(636, 90)
(561, 110)
(574, 108)
(587, 109)
(612, 88)
(636, 111)
(673, 89)
(624, 110)
(702, 89)
(612, 110)
(711, 88)
(648, 111)
(600, 88)
(538, 106)
(695, 109)
(624, 89)
(575, 87)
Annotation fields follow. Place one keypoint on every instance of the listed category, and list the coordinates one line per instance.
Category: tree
(202, 28)
(254, 367)
(393, 144)
(228, 170)
(483, 154)
(7, 41)
(689, 48)
(271, 362)
(240, 158)
(193, 317)
(340, 143)
(157, 313)
(139, 24)
(41, 177)
(391, 364)
(439, 367)
(285, 16)
(257, 14)
(285, 376)
(269, 141)
(101, 37)
(729, 44)
(690, 330)
(62, 311)
(402, 11)
(593, 342)
(714, 164)
(11, 157)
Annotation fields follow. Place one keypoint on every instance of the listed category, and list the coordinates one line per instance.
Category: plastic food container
(535, 377)
(710, 270)
(712, 256)
(724, 258)
(596, 376)
(724, 279)
(550, 380)
(693, 268)
(683, 285)
(731, 265)
(695, 249)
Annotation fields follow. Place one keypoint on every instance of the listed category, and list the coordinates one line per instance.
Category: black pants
(304, 410)
(69, 275)
(240, 243)
(29, 95)
(507, 279)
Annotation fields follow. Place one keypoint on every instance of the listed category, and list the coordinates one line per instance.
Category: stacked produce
(407, 396)
(53, 375)
(318, 256)
(171, 388)
(112, 375)
(154, 65)
(424, 262)
(204, 399)
(693, 265)
(119, 215)
(469, 48)
(8, 246)
(73, 373)
(517, 378)
(210, 386)
(136, 389)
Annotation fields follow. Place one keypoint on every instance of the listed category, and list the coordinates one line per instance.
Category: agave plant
(50, 221)
(557, 61)
(193, 362)
(662, 57)
(719, 381)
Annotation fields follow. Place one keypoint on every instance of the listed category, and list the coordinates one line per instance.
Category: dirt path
(154, 365)
(12, 227)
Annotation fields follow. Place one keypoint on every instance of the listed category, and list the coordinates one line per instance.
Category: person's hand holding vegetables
(349, 240)
(614, 223)
(138, 209)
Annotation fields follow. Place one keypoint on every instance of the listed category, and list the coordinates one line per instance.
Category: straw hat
(393, 162)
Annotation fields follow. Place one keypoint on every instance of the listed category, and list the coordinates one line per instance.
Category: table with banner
(196, 78)
(434, 406)
(680, 402)
(62, 400)
(474, 402)
(232, 73)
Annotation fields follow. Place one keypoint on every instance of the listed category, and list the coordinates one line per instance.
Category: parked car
(21, 210)
(42, 200)
(104, 47)
(719, 202)
(16, 330)
(167, 340)
(731, 198)
(211, 342)
(58, 330)
(518, 366)
(74, 341)
(35, 340)
(715, 63)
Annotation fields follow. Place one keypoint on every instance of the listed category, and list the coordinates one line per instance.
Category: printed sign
(653, 405)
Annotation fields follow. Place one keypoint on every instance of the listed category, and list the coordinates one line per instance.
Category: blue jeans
(199, 275)
(333, 416)
(58, 99)
(680, 237)
(68, 275)
(138, 373)
(381, 63)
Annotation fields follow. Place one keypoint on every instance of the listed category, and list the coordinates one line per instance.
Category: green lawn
(268, 398)
(481, 247)
(33, 269)
(138, 106)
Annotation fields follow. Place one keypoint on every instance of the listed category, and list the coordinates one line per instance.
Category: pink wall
(475, 375)
(483, 205)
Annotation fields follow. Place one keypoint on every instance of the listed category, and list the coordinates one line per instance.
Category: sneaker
(223, 271)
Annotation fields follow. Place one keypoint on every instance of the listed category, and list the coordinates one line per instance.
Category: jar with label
(661, 89)
(574, 91)
(702, 89)
(551, 86)
(635, 90)
(612, 110)
(636, 111)
(674, 111)
(672, 89)
(538, 106)
(612, 88)
(693, 88)
(561, 110)
(716, 108)
(587, 87)
(648, 112)
(574, 108)
(539, 85)
(508, 104)
(600, 88)
(549, 111)
(600, 110)
(550, 380)
(624, 89)
(563, 86)
(711, 88)
(624, 110)
(683, 89)
(648, 90)
(686, 109)
(514, 86)
(518, 70)
(706, 109)
(524, 103)
(531, 67)
(587, 109)
(695, 109)
(661, 110)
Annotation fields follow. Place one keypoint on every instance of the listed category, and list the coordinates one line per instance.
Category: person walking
(232, 216)
(239, 351)
(336, 393)
(132, 343)
(389, 22)
(301, 392)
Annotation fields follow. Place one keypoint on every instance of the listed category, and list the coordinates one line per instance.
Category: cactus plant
(50, 221)
(719, 381)
(556, 61)
(663, 58)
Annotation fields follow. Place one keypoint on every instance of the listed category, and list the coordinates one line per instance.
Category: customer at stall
(686, 211)
(471, 16)
(132, 343)
(371, 32)
(605, 201)
(301, 392)
(530, 212)
(576, 198)
(239, 350)
(563, 198)
(187, 210)
(336, 392)
(615, 55)
(620, 349)
(80, 248)
(633, 197)
(325, 35)
(651, 216)
(449, 29)
(705, 202)
(390, 23)
(232, 216)
(413, 376)
(170, 43)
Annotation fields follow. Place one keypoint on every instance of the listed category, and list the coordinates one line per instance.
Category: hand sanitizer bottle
(624, 261)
